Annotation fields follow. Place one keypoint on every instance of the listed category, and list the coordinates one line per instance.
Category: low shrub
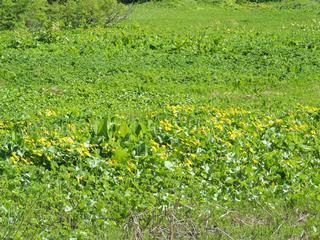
(11, 13)
(39, 14)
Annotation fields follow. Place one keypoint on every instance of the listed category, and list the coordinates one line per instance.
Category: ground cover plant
(182, 122)
(42, 14)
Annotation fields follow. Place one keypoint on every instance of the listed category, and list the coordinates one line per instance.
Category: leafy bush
(11, 12)
(38, 14)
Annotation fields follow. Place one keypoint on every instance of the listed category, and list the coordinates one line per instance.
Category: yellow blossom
(50, 113)
(2, 125)
(166, 125)
(66, 140)
(279, 121)
(113, 162)
(79, 178)
(14, 158)
(188, 162)
(131, 166)
(310, 109)
(235, 133)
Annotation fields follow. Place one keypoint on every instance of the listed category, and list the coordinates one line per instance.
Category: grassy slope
(56, 76)
(156, 21)
(261, 17)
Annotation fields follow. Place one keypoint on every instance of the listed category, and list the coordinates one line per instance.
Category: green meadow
(186, 120)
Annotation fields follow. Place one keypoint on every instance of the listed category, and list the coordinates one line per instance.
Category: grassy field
(264, 17)
(182, 122)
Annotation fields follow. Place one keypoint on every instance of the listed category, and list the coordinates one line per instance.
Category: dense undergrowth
(185, 157)
(50, 14)
(43, 14)
(128, 132)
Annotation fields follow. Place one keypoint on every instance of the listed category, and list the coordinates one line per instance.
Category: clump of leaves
(40, 14)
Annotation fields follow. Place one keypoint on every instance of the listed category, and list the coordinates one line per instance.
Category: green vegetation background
(186, 120)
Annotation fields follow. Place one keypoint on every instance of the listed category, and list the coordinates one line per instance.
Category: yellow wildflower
(42, 140)
(2, 125)
(279, 121)
(79, 178)
(131, 166)
(15, 158)
(235, 133)
(188, 162)
(66, 140)
(310, 109)
(166, 125)
(50, 113)
(113, 162)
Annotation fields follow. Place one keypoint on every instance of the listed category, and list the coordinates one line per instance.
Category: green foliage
(11, 13)
(102, 172)
(204, 131)
(92, 12)
(300, 4)
(39, 14)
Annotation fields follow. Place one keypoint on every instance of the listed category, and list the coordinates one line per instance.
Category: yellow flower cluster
(166, 125)
(310, 109)
(83, 150)
(50, 113)
(175, 109)
(235, 133)
(160, 151)
(15, 158)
